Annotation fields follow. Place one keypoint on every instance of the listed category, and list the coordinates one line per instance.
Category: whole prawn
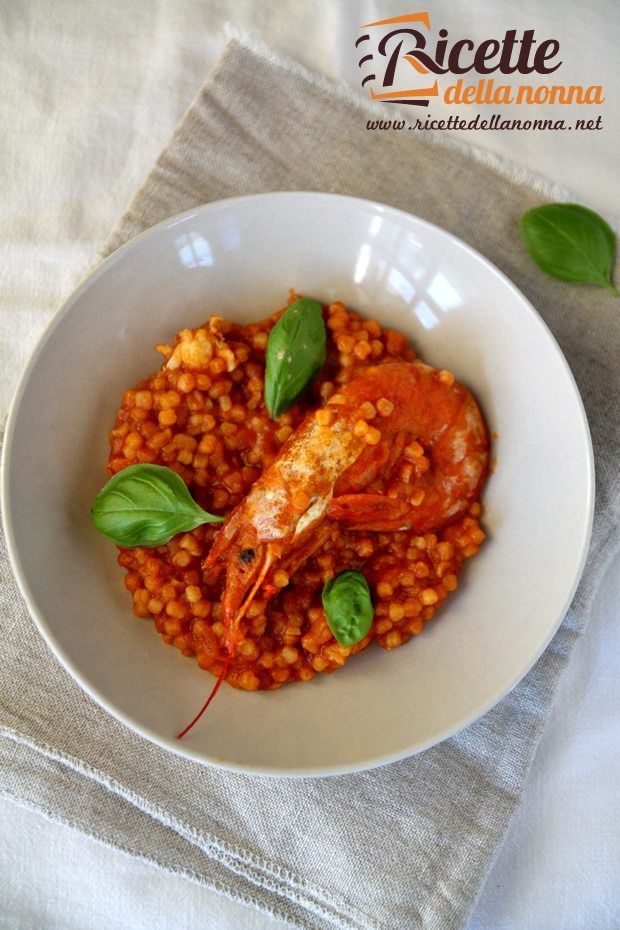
(324, 468)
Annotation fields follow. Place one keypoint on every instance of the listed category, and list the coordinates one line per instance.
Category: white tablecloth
(90, 93)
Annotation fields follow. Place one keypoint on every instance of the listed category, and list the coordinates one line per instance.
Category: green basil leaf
(571, 243)
(295, 353)
(146, 505)
(348, 607)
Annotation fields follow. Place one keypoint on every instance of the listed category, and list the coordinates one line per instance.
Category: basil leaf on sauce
(146, 505)
(295, 353)
(348, 607)
(571, 243)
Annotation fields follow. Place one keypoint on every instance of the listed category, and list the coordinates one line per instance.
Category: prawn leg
(369, 511)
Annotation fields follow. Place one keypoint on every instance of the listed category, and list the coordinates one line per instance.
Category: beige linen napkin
(408, 845)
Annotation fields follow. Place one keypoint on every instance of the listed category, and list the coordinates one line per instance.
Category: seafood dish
(329, 492)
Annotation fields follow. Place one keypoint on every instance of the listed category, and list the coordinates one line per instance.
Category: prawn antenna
(268, 561)
(214, 690)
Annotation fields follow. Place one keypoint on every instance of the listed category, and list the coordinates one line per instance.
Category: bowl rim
(185, 750)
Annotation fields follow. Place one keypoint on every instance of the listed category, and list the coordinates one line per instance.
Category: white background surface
(89, 94)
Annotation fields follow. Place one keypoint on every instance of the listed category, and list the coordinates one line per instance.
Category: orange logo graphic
(390, 47)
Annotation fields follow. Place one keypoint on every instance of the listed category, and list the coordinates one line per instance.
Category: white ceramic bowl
(237, 258)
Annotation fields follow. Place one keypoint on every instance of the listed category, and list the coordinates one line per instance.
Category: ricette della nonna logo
(404, 62)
